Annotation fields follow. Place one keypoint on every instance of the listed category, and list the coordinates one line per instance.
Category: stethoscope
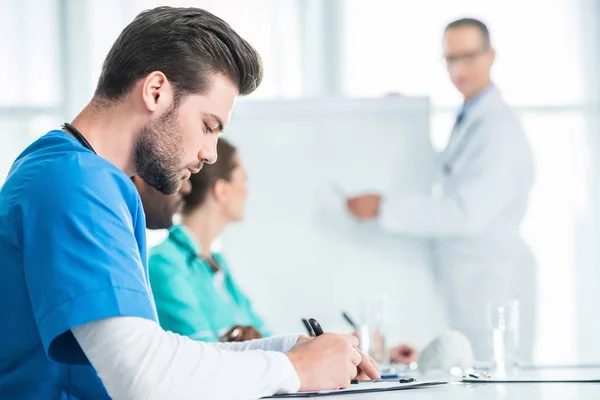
(192, 256)
(81, 139)
(79, 136)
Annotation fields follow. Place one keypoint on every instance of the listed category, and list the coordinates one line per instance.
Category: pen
(404, 379)
(349, 320)
(316, 327)
(308, 327)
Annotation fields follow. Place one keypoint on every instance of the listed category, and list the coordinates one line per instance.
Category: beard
(158, 154)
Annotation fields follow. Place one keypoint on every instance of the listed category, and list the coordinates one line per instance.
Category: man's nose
(208, 153)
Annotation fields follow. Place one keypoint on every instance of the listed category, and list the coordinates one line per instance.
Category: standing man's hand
(330, 362)
(403, 354)
(365, 207)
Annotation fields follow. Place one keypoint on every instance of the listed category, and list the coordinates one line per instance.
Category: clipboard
(366, 387)
(485, 378)
(527, 380)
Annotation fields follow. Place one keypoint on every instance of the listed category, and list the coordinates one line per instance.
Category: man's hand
(240, 334)
(370, 365)
(377, 347)
(330, 362)
(403, 354)
(364, 207)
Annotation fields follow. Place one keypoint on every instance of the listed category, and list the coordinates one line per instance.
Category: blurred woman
(194, 291)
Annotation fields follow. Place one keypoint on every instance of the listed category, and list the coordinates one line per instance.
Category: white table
(501, 391)
(525, 391)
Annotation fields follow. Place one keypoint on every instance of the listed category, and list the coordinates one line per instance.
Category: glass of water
(504, 326)
(372, 329)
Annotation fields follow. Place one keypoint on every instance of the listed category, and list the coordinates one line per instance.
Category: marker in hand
(316, 327)
(308, 327)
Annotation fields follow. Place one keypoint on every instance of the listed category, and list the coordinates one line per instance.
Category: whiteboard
(298, 253)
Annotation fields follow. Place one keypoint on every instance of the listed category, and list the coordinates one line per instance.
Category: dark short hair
(188, 45)
(474, 23)
(204, 181)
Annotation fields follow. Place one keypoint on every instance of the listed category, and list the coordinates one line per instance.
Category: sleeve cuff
(55, 326)
(282, 343)
(287, 342)
(386, 212)
(290, 382)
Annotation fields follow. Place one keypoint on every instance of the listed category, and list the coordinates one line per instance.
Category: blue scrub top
(73, 248)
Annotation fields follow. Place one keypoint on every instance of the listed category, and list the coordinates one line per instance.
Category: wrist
(295, 360)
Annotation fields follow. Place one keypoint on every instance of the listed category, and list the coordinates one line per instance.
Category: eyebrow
(219, 122)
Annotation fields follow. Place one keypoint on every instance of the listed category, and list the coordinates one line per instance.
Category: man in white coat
(478, 203)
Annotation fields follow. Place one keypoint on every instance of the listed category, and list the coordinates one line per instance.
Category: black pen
(308, 327)
(316, 327)
(406, 379)
(349, 320)
(319, 331)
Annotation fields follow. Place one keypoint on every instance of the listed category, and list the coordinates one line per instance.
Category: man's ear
(157, 92)
(492, 56)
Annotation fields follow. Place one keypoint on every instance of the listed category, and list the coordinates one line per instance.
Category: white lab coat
(474, 222)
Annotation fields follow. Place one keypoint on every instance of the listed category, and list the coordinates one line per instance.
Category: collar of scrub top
(181, 236)
(459, 148)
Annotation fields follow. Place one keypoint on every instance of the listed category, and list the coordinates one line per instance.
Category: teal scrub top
(190, 298)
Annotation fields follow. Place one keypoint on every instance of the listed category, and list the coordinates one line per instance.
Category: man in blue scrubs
(74, 284)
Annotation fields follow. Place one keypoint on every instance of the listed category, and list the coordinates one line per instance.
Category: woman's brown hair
(204, 181)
